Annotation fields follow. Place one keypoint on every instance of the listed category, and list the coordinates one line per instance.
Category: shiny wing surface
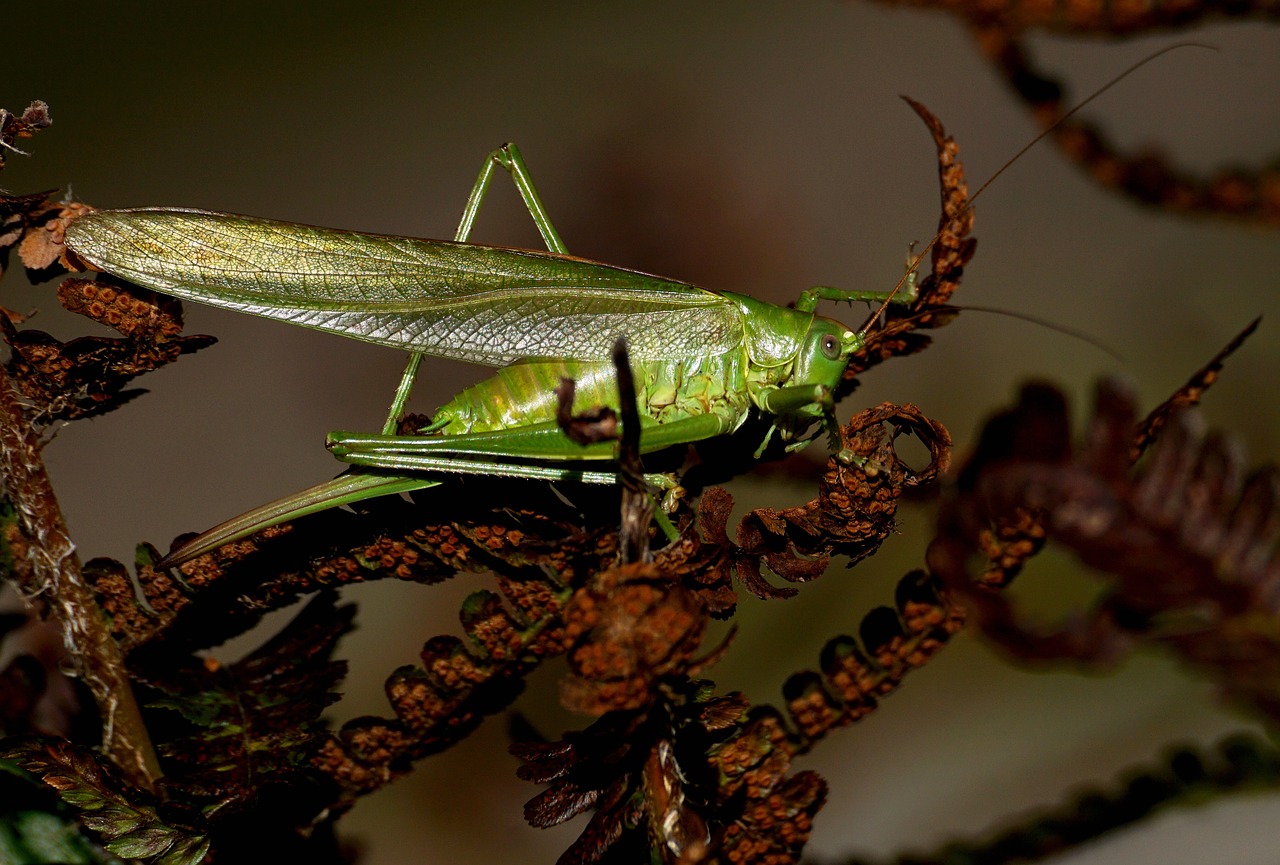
(482, 304)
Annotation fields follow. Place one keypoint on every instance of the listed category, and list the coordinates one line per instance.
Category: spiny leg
(464, 465)
(508, 157)
(904, 293)
(362, 483)
(544, 441)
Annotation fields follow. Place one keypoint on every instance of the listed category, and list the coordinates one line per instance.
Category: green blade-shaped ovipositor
(352, 486)
(482, 304)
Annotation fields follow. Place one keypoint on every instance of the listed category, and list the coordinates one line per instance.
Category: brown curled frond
(857, 673)
(853, 513)
(1189, 539)
(950, 250)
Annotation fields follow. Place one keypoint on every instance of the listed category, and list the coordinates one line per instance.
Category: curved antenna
(1072, 332)
(917, 259)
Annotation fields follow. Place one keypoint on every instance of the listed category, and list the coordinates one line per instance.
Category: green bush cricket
(703, 360)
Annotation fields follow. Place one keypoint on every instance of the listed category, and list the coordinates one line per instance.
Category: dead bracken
(670, 767)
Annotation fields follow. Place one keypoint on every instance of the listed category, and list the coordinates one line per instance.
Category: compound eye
(831, 346)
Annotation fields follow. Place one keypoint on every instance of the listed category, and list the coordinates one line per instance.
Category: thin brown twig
(637, 501)
(50, 569)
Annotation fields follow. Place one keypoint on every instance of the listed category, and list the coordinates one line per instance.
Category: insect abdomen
(524, 393)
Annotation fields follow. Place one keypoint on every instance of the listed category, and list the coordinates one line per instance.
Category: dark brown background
(751, 146)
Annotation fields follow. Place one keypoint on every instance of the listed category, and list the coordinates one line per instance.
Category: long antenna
(917, 259)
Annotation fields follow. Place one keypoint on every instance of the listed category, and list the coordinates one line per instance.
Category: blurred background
(754, 146)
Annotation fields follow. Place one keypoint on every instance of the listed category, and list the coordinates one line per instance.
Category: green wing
(483, 304)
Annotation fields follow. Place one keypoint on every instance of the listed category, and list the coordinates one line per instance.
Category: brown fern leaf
(689, 776)
(643, 771)
(767, 813)
(1189, 394)
(1189, 539)
(470, 531)
(952, 249)
(853, 513)
(644, 767)
(14, 126)
(439, 703)
(857, 673)
(87, 376)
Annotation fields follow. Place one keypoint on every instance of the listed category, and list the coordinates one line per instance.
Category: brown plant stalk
(45, 565)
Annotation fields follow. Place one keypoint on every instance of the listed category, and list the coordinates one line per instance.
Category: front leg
(903, 294)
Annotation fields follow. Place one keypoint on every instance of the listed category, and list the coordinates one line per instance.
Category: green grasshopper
(703, 361)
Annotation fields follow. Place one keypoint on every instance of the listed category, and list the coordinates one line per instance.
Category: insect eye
(830, 347)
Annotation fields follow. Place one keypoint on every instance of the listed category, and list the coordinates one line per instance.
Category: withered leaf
(1187, 776)
(14, 126)
(1189, 394)
(1189, 539)
(896, 334)
(225, 732)
(21, 215)
(855, 509)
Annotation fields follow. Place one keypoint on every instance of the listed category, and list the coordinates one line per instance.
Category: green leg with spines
(357, 485)
(508, 157)
(535, 441)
